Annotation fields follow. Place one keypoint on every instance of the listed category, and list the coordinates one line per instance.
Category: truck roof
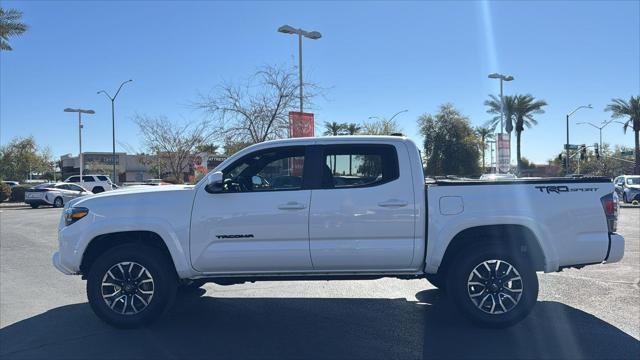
(339, 138)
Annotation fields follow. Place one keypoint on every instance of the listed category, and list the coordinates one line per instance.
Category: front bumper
(57, 263)
(616, 248)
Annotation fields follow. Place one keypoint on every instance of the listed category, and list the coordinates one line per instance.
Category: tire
(436, 280)
(58, 202)
(484, 303)
(133, 313)
(97, 190)
(624, 198)
(34, 206)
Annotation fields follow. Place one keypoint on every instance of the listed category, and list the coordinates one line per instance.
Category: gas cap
(451, 205)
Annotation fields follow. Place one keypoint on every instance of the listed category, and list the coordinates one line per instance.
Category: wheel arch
(101, 243)
(519, 238)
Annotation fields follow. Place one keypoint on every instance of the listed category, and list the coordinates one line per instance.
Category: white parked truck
(331, 208)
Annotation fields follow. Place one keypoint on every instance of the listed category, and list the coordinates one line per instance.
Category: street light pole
(567, 144)
(314, 35)
(113, 127)
(392, 117)
(605, 123)
(502, 78)
(80, 112)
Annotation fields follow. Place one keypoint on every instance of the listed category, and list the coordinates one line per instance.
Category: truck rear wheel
(493, 286)
(131, 285)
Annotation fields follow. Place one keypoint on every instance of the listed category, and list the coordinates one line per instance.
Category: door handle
(393, 203)
(292, 205)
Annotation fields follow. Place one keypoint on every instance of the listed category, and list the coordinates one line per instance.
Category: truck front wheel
(493, 286)
(131, 285)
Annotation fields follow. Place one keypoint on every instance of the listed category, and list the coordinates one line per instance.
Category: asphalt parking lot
(588, 313)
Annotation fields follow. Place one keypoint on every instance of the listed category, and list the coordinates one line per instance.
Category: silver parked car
(54, 194)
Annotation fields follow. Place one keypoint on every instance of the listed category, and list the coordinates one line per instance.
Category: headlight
(73, 214)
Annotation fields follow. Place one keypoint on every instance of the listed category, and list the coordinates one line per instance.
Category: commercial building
(133, 168)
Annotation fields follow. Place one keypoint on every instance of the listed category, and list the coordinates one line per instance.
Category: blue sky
(375, 58)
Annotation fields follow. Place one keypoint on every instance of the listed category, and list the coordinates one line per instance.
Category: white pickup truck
(336, 208)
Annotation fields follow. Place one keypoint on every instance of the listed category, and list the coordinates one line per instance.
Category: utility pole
(80, 112)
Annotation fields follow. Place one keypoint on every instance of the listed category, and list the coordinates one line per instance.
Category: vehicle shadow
(310, 328)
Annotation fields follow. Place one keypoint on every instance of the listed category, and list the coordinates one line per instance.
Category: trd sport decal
(562, 189)
(234, 236)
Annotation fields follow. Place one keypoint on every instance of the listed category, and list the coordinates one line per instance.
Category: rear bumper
(36, 202)
(616, 248)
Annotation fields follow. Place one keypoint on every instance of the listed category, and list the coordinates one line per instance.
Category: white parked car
(11, 184)
(497, 177)
(54, 194)
(335, 208)
(94, 183)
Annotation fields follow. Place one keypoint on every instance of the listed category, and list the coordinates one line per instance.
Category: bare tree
(381, 127)
(257, 110)
(173, 143)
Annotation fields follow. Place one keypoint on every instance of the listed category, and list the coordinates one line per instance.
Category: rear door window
(74, 179)
(88, 179)
(102, 178)
(348, 166)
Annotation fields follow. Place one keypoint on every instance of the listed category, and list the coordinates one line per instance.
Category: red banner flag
(300, 124)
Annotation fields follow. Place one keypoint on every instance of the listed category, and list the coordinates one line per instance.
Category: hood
(635, 187)
(127, 194)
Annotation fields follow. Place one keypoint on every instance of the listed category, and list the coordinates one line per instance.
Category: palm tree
(352, 129)
(621, 108)
(333, 129)
(525, 106)
(485, 134)
(10, 25)
(494, 108)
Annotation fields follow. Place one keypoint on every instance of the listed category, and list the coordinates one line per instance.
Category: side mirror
(215, 183)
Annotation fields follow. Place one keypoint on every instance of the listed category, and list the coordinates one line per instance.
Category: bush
(17, 193)
(5, 192)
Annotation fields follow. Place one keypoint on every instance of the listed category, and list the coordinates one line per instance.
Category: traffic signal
(596, 149)
(583, 152)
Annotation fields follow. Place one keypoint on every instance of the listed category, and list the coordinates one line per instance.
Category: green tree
(621, 108)
(21, 157)
(484, 133)
(231, 147)
(450, 144)
(10, 26)
(524, 107)
(5, 192)
(207, 148)
(494, 108)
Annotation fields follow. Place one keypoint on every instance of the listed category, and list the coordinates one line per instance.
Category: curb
(12, 205)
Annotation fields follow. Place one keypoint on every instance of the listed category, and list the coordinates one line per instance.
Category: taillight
(610, 206)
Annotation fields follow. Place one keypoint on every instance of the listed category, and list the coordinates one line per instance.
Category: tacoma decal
(563, 188)
(238, 236)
